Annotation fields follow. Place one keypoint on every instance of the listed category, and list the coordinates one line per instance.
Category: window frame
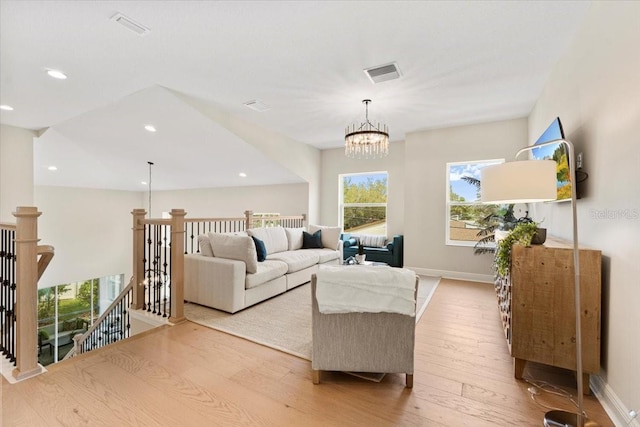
(449, 203)
(342, 205)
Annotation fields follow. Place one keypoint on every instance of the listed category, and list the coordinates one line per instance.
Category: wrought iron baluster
(164, 268)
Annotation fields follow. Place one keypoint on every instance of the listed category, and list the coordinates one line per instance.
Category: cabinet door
(543, 307)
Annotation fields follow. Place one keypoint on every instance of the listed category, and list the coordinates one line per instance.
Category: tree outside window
(466, 215)
(363, 203)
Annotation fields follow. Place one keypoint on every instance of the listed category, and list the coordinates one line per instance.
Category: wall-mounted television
(557, 152)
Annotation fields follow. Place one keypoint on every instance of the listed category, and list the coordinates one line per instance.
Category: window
(466, 215)
(363, 203)
(63, 309)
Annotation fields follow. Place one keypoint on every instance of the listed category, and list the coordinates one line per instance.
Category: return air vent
(257, 105)
(383, 73)
(130, 24)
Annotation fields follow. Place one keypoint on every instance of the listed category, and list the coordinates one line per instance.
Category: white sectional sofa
(227, 275)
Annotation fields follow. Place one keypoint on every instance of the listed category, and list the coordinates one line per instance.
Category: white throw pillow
(330, 235)
(274, 238)
(240, 248)
(372, 241)
(294, 237)
(205, 245)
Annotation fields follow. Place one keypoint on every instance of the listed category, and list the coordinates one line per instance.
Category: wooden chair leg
(315, 375)
(409, 380)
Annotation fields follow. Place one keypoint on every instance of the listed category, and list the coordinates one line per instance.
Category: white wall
(16, 170)
(595, 90)
(426, 155)
(289, 199)
(334, 163)
(299, 158)
(90, 230)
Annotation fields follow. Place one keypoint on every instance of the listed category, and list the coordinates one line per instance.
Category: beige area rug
(284, 321)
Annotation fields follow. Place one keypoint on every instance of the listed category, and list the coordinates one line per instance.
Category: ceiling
(462, 62)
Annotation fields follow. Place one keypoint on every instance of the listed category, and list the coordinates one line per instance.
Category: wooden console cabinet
(538, 310)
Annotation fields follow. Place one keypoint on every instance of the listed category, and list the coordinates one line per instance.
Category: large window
(67, 309)
(467, 216)
(363, 203)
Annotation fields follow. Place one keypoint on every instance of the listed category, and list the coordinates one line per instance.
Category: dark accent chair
(42, 344)
(392, 254)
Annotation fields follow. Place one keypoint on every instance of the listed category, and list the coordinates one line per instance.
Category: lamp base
(566, 419)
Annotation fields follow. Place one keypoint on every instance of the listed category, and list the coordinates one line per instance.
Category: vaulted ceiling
(462, 62)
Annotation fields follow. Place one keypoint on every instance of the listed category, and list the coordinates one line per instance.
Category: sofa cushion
(240, 248)
(205, 245)
(325, 254)
(261, 250)
(330, 235)
(274, 238)
(267, 271)
(312, 241)
(296, 260)
(294, 237)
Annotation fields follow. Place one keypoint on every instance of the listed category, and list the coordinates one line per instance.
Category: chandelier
(364, 140)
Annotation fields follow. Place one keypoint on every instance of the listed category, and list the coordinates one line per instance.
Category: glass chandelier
(366, 141)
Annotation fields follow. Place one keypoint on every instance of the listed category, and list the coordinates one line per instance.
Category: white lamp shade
(525, 181)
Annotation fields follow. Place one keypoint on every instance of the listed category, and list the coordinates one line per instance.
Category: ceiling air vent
(383, 73)
(257, 105)
(130, 24)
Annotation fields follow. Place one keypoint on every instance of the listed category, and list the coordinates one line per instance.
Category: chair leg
(409, 380)
(315, 375)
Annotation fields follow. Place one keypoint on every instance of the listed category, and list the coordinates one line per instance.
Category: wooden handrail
(7, 226)
(213, 219)
(46, 253)
(157, 221)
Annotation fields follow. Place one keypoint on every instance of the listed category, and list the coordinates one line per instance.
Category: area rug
(283, 322)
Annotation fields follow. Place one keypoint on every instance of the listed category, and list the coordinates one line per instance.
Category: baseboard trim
(612, 405)
(472, 277)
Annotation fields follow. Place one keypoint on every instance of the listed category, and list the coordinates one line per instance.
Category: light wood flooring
(188, 375)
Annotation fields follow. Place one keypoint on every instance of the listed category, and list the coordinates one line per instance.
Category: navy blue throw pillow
(312, 241)
(261, 249)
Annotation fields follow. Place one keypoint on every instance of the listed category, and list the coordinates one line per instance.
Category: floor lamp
(530, 181)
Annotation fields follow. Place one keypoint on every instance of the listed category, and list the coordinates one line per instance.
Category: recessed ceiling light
(6, 107)
(56, 74)
(150, 128)
(52, 168)
(143, 182)
(242, 175)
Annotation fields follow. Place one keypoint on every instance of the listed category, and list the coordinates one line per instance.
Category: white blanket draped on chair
(366, 289)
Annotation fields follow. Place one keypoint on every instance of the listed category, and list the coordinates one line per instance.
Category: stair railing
(22, 263)
(113, 325)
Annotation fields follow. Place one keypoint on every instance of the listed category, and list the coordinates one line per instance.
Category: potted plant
(522, 234)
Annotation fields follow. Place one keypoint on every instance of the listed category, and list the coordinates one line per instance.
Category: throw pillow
(372, 240)
(240, 248)
(44, 334)
(312, 241)
(261, 249)
(205, 245)
(79, 324)
(274, 238)
(330, 235)
(294, 236)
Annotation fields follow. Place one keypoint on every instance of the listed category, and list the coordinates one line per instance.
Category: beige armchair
(362, 342)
